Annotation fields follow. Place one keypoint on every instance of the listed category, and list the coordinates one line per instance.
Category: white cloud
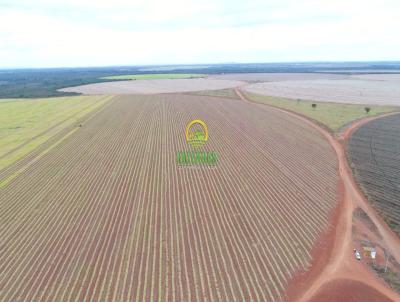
(122, 32)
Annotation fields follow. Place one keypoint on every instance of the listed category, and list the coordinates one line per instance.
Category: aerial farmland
(199, 151)
(119, 219)
(94, 204)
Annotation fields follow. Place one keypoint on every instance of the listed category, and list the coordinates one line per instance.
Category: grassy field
(157, 76)
(332, 115)
(26, 124)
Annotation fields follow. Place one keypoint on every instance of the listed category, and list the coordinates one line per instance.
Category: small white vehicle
(357, 254)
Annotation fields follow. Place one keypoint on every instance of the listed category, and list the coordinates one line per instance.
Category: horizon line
(199, 64)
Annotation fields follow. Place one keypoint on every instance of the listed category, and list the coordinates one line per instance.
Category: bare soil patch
(378, 77)
(153, 86)
(276, 77)
(354, 91)
(350, 291)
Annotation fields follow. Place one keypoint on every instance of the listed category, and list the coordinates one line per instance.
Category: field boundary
(47, 131)
(382, 109)
(363, 121)
(5, 181)
(243, 97)
(14, 168)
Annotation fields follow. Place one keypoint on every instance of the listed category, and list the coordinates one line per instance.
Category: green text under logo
(196, 158)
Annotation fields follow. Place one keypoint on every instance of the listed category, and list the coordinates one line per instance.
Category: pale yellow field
(27, 123)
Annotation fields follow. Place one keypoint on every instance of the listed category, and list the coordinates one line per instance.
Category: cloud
(90, 33)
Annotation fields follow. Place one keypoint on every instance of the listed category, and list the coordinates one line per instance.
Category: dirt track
(348, 290)
(342, 264)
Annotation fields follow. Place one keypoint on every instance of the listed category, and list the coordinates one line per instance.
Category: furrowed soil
(374, 151)
(334, 266)
(107, 214)
(27, 124)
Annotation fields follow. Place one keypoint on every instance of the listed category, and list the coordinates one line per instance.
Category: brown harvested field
(276, 77)
(355, 91)
(153, 86)
(107, 215)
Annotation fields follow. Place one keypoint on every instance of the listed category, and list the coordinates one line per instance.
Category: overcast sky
(56, 33)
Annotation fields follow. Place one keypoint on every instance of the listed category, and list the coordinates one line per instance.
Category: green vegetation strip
(333, 115)
(156, 76)
(26, 124)
(11, 177)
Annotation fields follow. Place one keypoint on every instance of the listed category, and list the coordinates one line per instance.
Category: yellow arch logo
(197, 138)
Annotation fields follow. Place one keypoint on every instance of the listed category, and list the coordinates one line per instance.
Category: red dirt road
(350, 291)
(341, 266)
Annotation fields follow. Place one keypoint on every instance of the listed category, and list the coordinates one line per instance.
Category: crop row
(374, 150)
(108, 215)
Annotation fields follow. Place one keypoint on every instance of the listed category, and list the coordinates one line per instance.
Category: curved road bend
(341, 263)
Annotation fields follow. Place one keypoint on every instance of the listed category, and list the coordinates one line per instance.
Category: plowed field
(374, 151)
(107, 215)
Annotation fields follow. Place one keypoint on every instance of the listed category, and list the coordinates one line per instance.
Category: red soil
(334, 268)
(321, 252)
(349, 291)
